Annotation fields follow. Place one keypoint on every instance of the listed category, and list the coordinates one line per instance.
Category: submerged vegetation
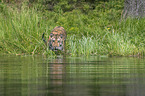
(97, 31)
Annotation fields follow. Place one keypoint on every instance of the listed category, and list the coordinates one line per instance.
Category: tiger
(56, 40)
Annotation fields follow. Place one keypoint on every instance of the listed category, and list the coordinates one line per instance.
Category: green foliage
(20, 31)
(97, 31)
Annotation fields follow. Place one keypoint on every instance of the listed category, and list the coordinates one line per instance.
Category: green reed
(84, 46)
(20, 31)
(112, 44)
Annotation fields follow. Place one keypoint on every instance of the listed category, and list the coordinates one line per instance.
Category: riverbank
(97, 32)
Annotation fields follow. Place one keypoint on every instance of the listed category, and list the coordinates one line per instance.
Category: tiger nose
(55, 48)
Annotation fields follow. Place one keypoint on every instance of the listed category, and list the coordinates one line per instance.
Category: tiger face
(57, 39)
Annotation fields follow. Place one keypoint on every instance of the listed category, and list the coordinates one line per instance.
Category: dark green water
(92, 76)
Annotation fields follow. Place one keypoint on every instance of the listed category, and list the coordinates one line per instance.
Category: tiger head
(56, 39)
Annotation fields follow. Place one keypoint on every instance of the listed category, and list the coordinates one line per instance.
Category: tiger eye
(61, 36)
(51, 35)
(60, 45)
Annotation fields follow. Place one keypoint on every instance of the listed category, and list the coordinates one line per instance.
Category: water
(71, 76)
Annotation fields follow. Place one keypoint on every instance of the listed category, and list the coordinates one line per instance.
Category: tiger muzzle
(56, 48)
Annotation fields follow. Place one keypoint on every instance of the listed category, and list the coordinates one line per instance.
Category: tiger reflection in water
(56, 40)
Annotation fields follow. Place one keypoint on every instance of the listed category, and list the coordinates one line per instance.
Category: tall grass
(84, 46)
(95, 33)
(112, 44)
(21, 30)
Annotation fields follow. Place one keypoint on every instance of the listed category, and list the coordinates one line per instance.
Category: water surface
(71, 76)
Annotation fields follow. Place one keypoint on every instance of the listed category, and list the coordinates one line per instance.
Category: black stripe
(43, 38)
